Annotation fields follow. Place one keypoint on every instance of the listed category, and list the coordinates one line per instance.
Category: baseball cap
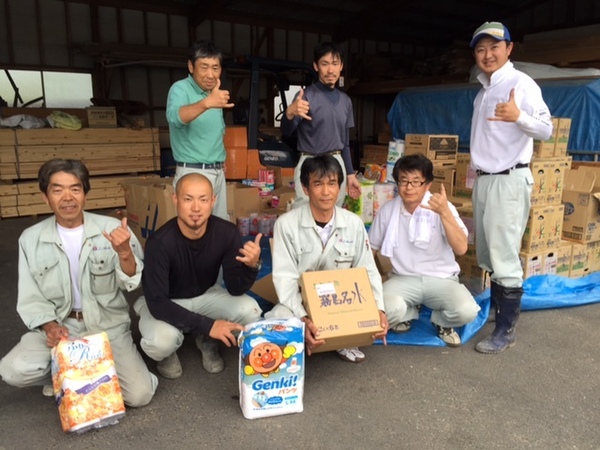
(492, 29)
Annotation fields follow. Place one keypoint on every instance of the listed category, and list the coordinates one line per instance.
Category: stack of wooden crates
(110, 155)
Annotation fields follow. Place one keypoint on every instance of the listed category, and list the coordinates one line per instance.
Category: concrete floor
(542, 394)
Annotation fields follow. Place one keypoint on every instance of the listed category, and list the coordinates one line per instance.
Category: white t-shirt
(72, 240)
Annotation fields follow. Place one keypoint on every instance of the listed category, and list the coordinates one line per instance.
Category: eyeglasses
(413, 183)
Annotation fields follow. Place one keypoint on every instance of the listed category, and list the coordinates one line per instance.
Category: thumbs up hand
(299, 107)
(219, 98)
(507, 112)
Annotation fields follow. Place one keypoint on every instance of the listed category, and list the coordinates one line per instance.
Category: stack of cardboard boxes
(440, 149)
(563, 206)
(581, 226)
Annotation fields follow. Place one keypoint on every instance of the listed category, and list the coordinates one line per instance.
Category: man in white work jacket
(509, 112)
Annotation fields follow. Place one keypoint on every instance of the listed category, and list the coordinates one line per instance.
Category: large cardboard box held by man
(149, 203)
(581, 198)
(342, 306)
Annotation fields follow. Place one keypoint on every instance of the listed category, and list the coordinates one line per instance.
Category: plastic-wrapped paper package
(85, 383)
(272, 368)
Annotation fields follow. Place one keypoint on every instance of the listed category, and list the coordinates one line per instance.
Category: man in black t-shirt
(181, 294)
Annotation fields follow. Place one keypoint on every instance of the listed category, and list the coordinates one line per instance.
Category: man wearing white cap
(509, 112)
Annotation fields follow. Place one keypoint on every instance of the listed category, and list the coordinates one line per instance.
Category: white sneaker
(48, 390)
(449, 336)
(170, 367)
(353, 355)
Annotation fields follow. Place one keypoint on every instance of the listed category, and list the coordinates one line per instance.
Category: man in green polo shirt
(196, 126)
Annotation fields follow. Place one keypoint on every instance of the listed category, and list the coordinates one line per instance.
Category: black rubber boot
(495, 293)
(508, 308)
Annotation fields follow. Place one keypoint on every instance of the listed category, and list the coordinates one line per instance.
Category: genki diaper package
(272, 367)
(85, 383)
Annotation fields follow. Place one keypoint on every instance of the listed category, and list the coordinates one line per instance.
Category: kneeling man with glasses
(421, 232)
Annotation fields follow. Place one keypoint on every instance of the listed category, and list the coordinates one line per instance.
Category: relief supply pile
(272, 368)
(85, 383)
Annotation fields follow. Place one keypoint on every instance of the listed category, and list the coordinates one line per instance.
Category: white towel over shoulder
(419, 228)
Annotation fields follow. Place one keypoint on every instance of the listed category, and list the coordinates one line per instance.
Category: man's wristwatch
(258, 265)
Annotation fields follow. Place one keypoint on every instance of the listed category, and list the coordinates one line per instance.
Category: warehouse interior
(409, 70)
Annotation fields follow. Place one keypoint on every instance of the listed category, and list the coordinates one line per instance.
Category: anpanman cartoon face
(265, 357)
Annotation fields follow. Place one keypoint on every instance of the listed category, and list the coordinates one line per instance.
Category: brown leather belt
(76, 315)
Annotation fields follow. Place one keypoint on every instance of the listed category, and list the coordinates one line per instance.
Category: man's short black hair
(414, 163)
(204, 49)
(321, 166)
(71, 166)
(325, 48)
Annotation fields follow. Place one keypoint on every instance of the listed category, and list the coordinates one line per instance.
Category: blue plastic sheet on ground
(540, 292)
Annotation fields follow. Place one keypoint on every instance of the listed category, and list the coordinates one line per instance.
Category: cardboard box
(460, 202)
(443, 176)
(265, 288)
(555, 179)
(465, 176)
(593, 256)
(374, 154)
(242, 200)
(563, 258)
(101, 117)
(581, 199)
(149, 203)
(434, 142)
(535, 237)
(554, 225)
(579, 261)
(531, 263)
(539, 170)
(545, 149)
(437, 147)
(284, 176)
(475, 279)
(562, 136)
(466, 215)
(285, 197)
(550, 261)
(342, 306)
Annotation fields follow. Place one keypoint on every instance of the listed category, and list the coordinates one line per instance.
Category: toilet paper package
(272, 368)
(85, 383)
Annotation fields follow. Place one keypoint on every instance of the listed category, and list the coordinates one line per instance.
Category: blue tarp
(448, 110)
(540, 292)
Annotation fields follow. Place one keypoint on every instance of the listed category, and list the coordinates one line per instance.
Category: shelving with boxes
(109, 154)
